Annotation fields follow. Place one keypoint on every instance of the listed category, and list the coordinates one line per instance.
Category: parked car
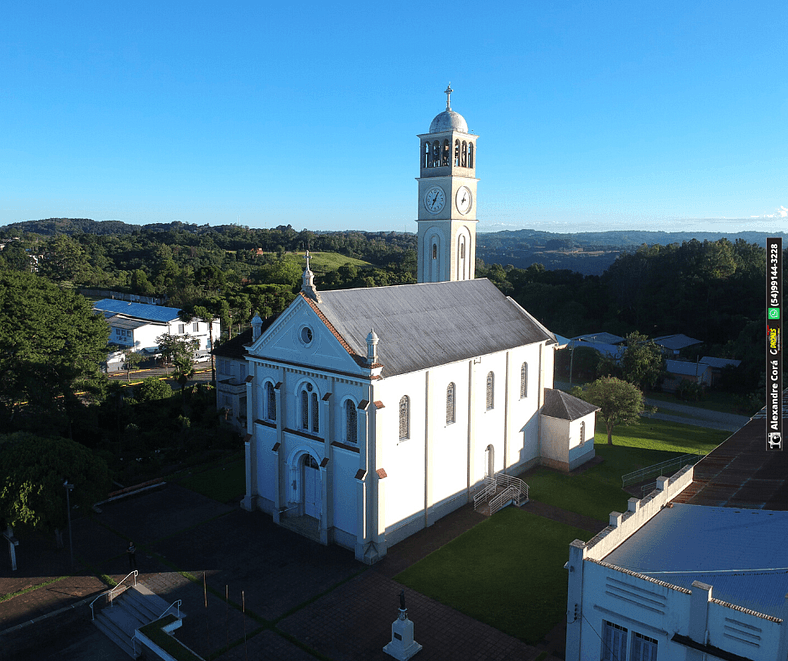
(202, 356)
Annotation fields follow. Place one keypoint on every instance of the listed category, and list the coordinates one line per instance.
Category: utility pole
(69, 489)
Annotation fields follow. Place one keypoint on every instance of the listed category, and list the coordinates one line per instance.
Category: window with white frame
(643, 648)
(450, 405)
(614, 642)
(310, 413)
(490, 391)
(524, 381)
(181, 328)
(404, 418)
(196, 327)
(582, 432)
(270, 401)
(351, 422)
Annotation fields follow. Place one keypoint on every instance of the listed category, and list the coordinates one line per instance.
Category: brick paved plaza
(299, 600)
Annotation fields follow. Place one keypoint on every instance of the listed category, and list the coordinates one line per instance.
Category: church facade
(371, 413)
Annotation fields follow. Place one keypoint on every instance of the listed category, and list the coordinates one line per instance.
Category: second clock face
(463, 200)
(435, 199)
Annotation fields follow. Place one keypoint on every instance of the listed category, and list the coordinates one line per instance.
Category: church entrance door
(312, 500)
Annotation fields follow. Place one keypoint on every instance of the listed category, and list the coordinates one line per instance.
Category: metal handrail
(510, 493)
(490, 487)
(109, 592)
(638, 475)
(178, 603)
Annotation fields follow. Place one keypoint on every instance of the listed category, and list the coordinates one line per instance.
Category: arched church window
(425, 160)
(446, 153)
(450, 406)
(315, 414)
(470, 154)
(304, 409)
(462, 247)
(490, 391)
(456, 153)
(310, 412)
(270, 401)
(464, 154)
(404, 418)
(351, 422)
(434, 251)
(524, 381)
(436, 154)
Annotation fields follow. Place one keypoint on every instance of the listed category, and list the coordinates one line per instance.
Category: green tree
(175, 347)
(184, 369)
(642, 362)
(35, 469)
(131, 360)
(51, 348)
(619, 402)
(152, 389)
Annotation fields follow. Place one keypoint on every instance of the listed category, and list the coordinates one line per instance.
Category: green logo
(774, 313)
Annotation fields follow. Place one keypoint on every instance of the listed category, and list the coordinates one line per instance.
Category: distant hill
(589, 253)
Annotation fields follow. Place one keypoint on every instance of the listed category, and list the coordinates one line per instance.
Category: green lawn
(222, 483)
(597, 491)
(322, 262)
(508, 572)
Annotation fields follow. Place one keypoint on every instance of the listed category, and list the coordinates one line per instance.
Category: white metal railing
(656, 469)
(509, 493)
(482, 496)
(110, 594)
(513, 489)
(177, 603)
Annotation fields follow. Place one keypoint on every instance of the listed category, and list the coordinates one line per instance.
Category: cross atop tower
(448, 92)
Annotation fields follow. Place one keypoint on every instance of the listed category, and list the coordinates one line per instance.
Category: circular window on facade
(306, 335)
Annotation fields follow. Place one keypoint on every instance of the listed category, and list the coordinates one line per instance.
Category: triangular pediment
(300, 337)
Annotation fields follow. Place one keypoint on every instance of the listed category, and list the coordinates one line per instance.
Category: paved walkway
(250, 589)
(692, 415)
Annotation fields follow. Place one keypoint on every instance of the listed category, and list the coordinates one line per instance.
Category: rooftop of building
(137, 310)
(740, 552)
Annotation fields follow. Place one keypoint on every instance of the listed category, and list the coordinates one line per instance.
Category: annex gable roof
(428, 324)
(144, 311)
(560, 404)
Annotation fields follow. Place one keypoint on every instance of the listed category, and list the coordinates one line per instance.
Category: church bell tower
(447, 199)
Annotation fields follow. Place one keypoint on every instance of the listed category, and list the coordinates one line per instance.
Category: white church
(371, 413)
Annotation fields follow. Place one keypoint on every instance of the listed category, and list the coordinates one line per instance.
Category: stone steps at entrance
(305, 525)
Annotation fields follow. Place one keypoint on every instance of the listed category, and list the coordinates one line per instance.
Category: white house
(373, 412)
(137, 325)
(698, 569)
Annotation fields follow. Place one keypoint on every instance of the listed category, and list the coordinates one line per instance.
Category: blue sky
(591, 115)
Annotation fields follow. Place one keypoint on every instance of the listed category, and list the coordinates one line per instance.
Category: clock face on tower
(435, 199)
(463, 200)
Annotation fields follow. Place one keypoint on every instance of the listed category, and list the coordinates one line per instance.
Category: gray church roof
(429, 324)
(559, 404)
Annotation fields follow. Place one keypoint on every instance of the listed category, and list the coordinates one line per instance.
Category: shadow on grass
(508, 572)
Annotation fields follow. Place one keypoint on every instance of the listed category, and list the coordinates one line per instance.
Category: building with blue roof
(137, 325)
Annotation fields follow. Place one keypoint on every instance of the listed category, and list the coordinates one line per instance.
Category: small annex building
(371, 413)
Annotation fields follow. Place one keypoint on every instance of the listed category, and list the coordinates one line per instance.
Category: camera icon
(774, 440)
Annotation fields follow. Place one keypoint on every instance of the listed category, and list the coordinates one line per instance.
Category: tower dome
(448, 120)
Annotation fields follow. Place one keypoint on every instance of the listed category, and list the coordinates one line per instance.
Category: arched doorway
(310, 479)
(489, 455)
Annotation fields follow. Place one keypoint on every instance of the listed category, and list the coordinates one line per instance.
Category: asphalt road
(202, 375)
